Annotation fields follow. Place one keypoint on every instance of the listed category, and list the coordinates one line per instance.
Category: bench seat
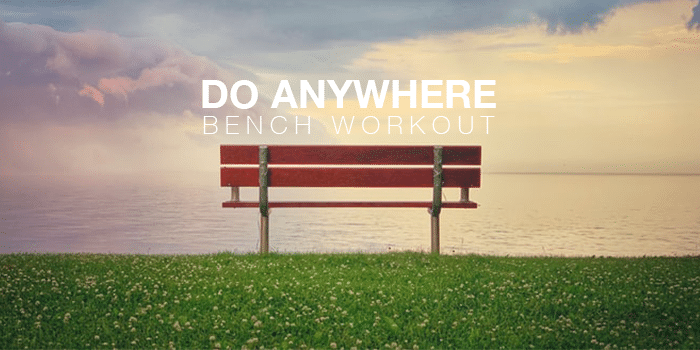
(339, 166)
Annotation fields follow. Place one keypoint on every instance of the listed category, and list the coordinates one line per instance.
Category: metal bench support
(264, 207)
(437, 201)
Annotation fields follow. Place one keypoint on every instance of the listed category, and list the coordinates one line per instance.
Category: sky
(98, 87)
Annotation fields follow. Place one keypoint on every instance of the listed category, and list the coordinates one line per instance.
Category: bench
(362, 166)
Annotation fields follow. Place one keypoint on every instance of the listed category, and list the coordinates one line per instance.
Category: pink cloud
(93, 93)
(95, 101)
(46, 75)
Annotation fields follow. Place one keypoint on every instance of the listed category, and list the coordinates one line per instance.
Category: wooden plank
(238, 154)
(461, 155)
(351, 177)
(355, 204)
(335, 154)
(239, 177)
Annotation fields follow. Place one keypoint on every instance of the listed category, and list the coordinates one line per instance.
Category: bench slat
(471, 205)
(365, 155)
(351, 177)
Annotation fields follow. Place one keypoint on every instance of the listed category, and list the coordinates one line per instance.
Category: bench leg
(264, 207)
(264, 234)
(437, 201)
(435, 234)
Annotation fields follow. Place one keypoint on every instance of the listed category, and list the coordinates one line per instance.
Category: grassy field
(401, 300)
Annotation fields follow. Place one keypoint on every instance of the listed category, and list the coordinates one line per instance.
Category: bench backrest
(363, 166)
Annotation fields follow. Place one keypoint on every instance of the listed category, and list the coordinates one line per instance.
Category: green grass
(402, 300)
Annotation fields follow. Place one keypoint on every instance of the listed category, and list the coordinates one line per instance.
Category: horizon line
(585, 173)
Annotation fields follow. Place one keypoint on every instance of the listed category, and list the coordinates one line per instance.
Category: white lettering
(463, 95)
(343, 122)
(410, 93)
(448, 125)
(273, 121)
(371, 90)
(460, 126)
(284, 88)
(307, 90)
(416, 125)
(234, 94)
(363, 125)
(205, 93)
(249, 121)
(425, 94)
(397, 125)
(308, 124)
(204, 120)
(487, 121)
(339, 93)
(228, 124)
(478, 94)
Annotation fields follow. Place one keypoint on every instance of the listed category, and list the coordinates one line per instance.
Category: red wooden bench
(316, 166)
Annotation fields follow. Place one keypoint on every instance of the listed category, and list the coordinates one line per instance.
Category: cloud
(60, 15)
(694, 22)
(623, 97)
(52, 75)
(93, 93)
(566, 52)
(65, 94)
(245, 29)
(574, 16)
(305, 37)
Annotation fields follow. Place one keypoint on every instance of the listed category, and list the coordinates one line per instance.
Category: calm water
(570, 215)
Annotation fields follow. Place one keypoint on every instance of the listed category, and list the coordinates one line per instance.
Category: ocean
(518, 215)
